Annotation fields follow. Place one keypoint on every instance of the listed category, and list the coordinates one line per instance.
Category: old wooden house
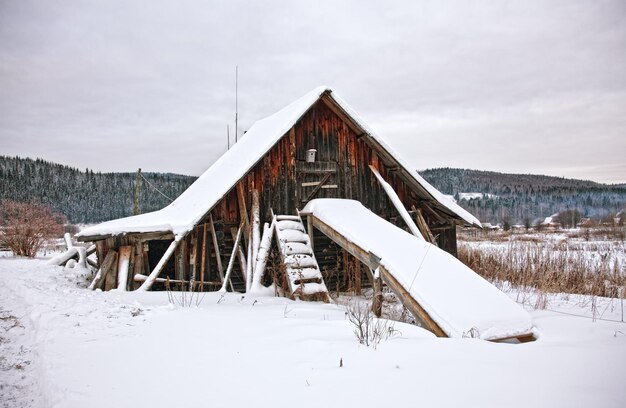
(223, 229)
(316, 147)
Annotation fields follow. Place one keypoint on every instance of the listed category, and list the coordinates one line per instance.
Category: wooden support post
(309, 230)
(192, 258)
(107, 264)
(159, 267)
(137, 264)
(256, 237)
(377, 300)
(111, 277)
(179, 263)
(243, 211)
(231, 262)
(240, 254)
(100, 252)
(146, 260)
(123, 264)
(423, 225)
(203, 257)
(216, 247)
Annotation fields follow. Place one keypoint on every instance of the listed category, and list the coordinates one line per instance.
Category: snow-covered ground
(64, 346)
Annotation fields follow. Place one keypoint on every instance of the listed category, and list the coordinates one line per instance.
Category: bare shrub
(184, 298)
(25, 227)
(552, 267)
(368, 329)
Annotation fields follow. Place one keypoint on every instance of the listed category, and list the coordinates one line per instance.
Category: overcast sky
(524, 86)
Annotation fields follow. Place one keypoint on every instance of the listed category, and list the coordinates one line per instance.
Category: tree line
(85, 196)
(522, 197)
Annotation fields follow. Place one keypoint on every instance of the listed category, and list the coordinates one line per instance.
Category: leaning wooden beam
(159, 266)
(249, 266)
(231, 262)
(243, 210)
(123, 264)
(109, 260)
(61, 259)
(142, 278)
(317, 188)
(264, 253)
(256, 237)
(423, 225)
(240, 254)
(216, 247)
(395, 200)
(410, 303)
(91, 249)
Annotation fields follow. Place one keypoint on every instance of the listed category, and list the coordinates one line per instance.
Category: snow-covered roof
(194, 203)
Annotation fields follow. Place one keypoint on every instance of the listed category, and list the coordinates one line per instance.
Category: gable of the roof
(194, 203)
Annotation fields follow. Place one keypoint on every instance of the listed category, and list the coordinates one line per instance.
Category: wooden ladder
(303, 273)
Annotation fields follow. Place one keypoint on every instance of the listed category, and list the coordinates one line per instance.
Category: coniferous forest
(517, 197)
(85, 196)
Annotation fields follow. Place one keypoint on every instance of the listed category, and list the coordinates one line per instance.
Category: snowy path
(90, 349)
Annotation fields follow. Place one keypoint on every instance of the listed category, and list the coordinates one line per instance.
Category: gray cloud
(509, 86)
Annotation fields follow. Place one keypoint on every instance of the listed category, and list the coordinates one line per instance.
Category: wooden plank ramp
(303, 273)
(426, 320)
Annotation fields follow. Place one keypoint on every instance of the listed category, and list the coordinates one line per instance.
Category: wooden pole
(203, 255)
(192, 259)
(136, 208)
(256, 237)
(242, 257)
(123, 264)
(243, 211)
(137, 264)
(423, 225)
(216, 247)
(109, 260)
(231, 262)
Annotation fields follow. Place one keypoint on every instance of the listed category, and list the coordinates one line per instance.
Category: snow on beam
(395, 200)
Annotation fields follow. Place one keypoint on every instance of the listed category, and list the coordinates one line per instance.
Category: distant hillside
(520, 196)
(89, 197)
(85, 196)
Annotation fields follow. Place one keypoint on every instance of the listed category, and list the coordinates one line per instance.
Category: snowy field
(64, 346)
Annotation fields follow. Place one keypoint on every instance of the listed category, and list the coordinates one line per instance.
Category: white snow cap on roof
(194, 203)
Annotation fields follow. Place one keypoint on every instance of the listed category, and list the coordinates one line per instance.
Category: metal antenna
(236, 101)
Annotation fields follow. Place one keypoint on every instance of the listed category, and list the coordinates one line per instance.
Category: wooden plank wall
(280, 173)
